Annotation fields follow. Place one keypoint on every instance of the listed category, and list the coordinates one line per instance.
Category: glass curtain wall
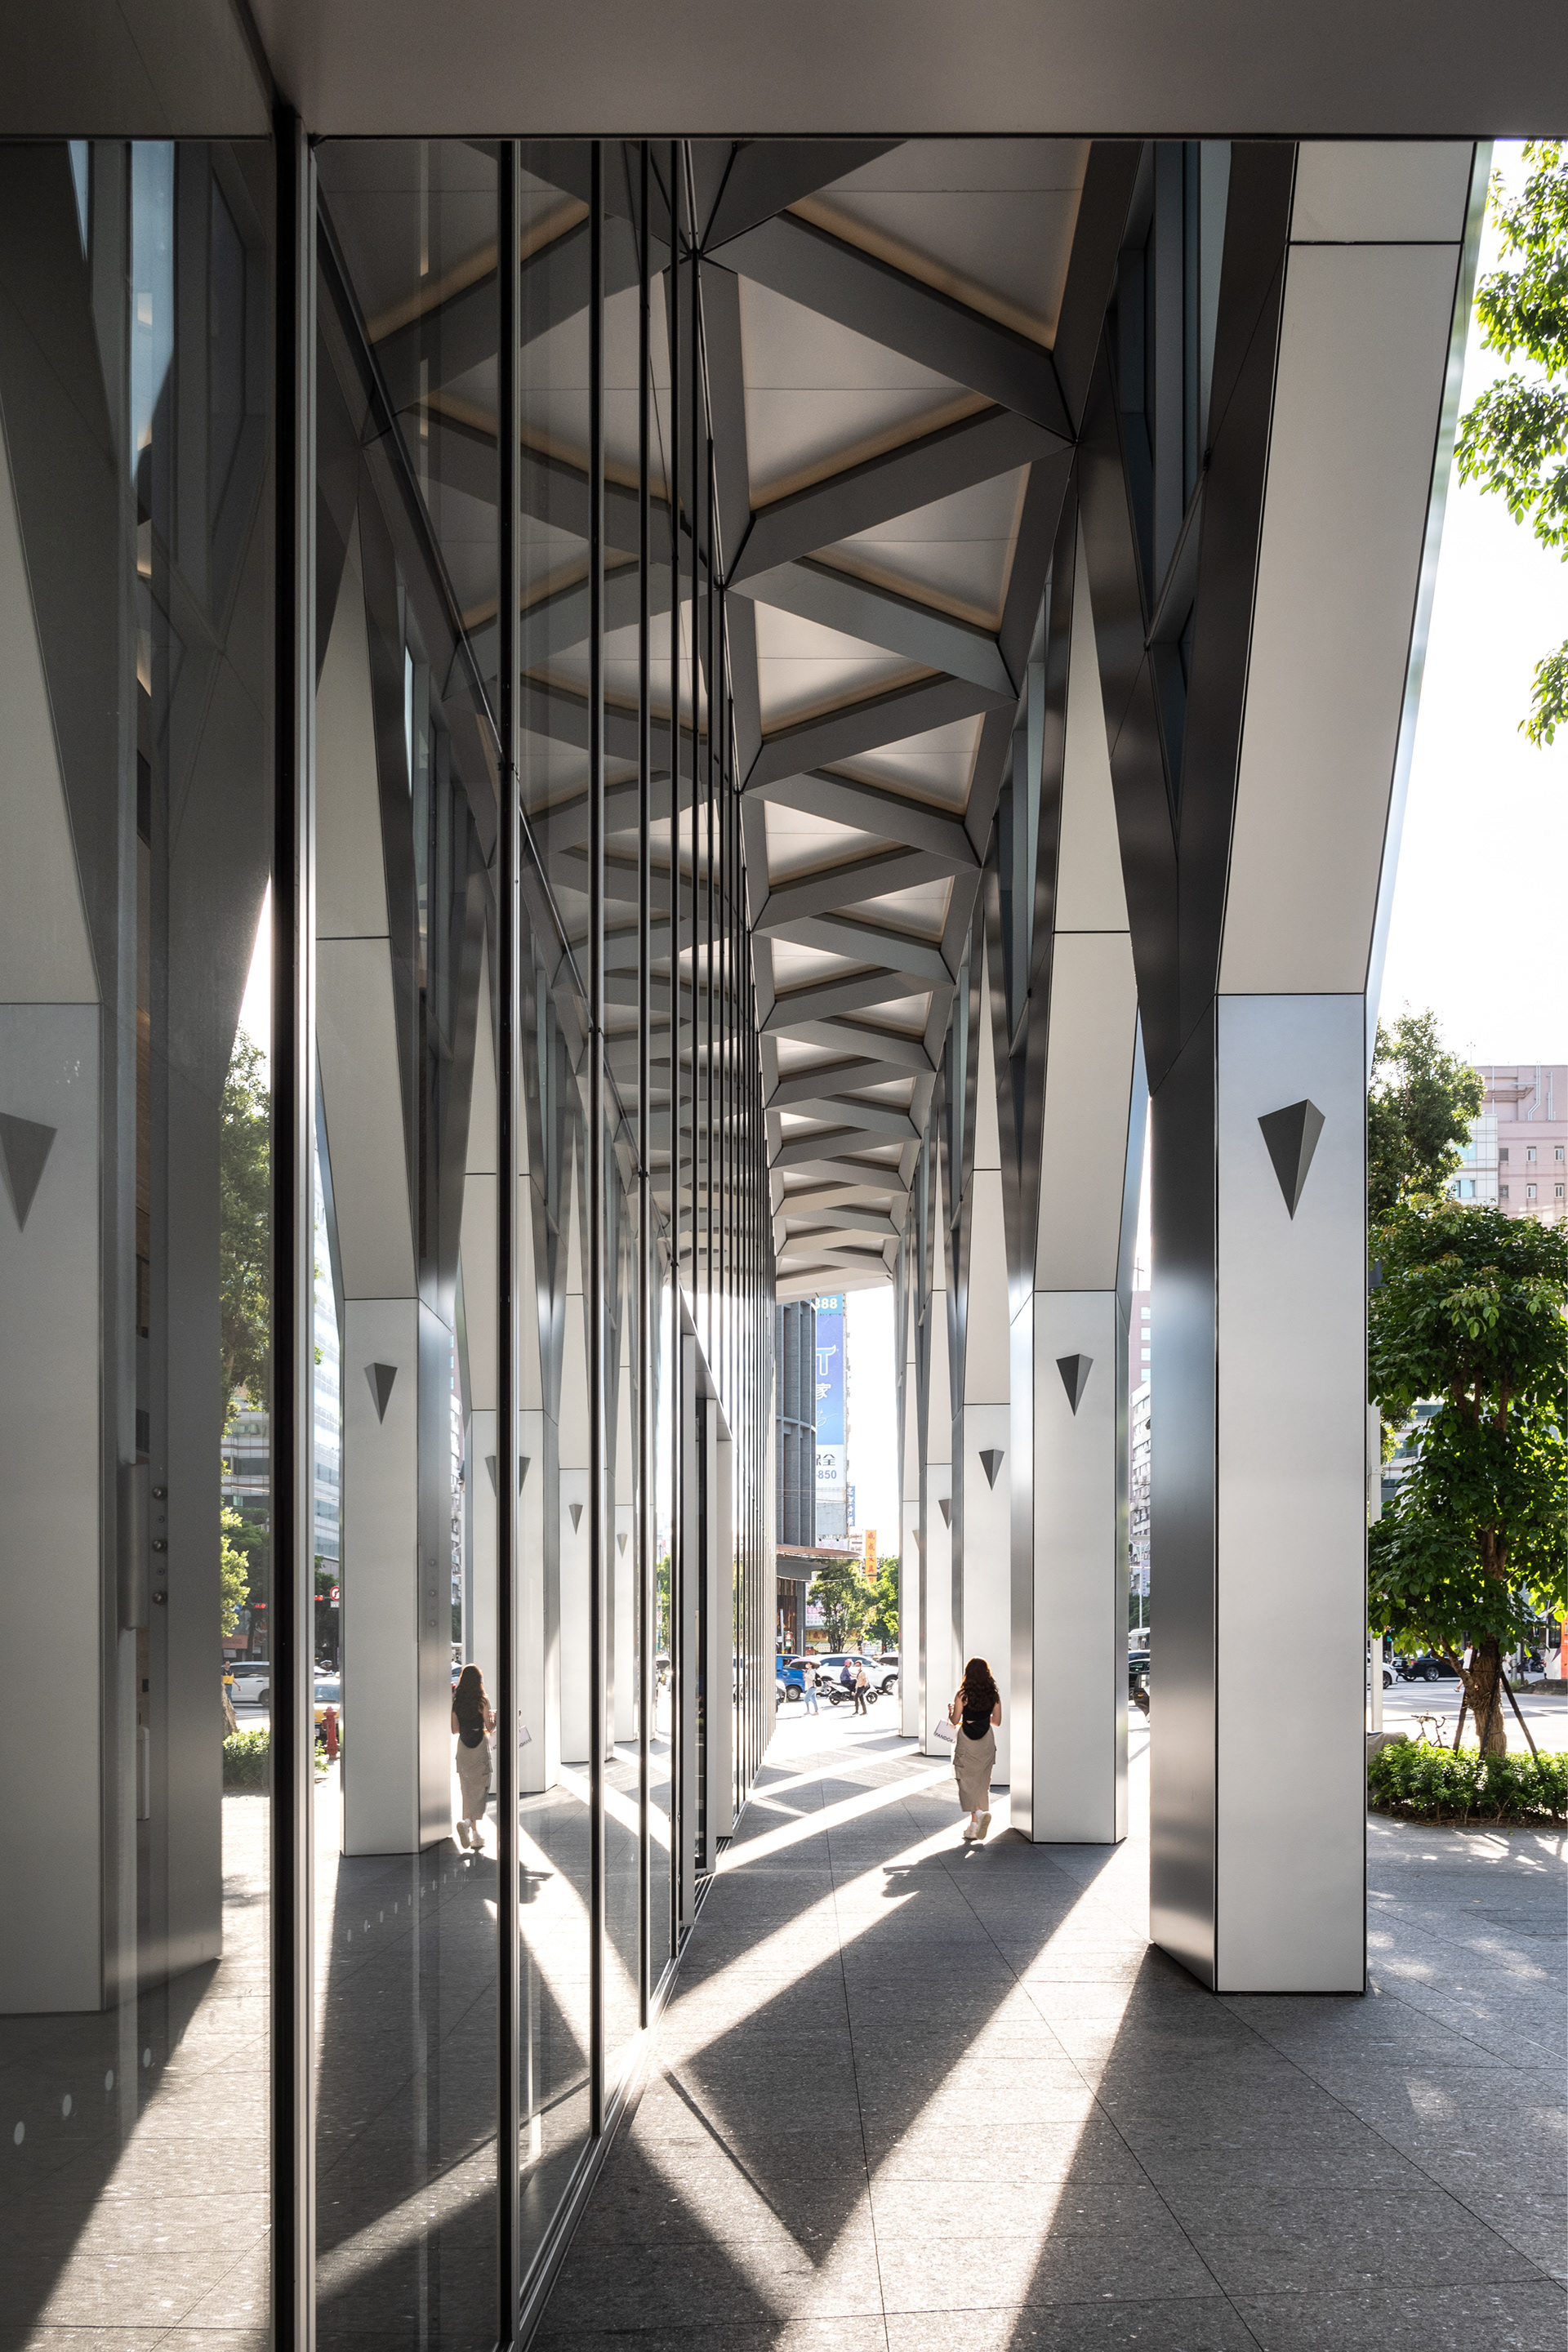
(538, 1082)
(136, 687)
(387, 1297)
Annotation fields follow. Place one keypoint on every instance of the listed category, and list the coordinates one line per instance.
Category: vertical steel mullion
(508, 2233)
(677, 1088)
(292, 2151)
(598, 1270)
(646, 1338)
(698, 741)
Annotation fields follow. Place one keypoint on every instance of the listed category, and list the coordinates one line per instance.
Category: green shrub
(246, 1759)
(1431, 1784)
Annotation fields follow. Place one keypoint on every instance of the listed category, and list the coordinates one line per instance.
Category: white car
(252, 1683)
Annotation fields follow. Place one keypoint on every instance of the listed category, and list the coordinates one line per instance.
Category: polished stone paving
(910, 2095)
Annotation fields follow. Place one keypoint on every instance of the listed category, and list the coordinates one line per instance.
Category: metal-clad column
(597, 1447)
(508, 2253)
(647, 1337)
(293, 1200)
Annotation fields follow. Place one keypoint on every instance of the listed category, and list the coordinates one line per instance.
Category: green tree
(1474, 1547)
(882, 1624)
(1418, 1112)
(1514, 438)
(234, 1584)
(245, 1277)
(845, 1597)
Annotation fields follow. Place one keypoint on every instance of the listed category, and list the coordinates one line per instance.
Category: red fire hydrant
(330, 1733)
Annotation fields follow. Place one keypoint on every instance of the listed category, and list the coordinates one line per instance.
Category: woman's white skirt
(972, 1762)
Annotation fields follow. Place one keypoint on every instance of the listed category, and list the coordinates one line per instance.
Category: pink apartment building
(1518, 1153)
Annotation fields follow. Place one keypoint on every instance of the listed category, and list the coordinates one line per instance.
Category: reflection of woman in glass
(473, 1719)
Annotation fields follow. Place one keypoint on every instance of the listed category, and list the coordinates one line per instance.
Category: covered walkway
(909, 2095)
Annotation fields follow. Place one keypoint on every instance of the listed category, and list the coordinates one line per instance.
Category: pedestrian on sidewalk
(473, 1720)
(862, 1684)
(808, 1685)
(976, 1710)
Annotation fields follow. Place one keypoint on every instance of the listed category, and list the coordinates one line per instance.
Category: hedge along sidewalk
(247, 1759)
(1433, 1784)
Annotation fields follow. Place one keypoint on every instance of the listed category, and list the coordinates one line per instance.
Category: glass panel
(552, 1580)
(135, 1273)
(406, 1871)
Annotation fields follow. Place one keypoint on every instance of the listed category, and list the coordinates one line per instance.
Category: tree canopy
(244, 1278)
(840, 1589)
(1514, 438)
(882, 1624)
(1418, 1113)
(1470, 1310)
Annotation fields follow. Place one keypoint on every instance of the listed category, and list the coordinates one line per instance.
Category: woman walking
(472, 1719)
(976, 1710)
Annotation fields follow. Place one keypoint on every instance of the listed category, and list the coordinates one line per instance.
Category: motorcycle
(842, 1694)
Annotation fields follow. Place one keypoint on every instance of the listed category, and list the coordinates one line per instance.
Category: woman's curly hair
(978, 1690)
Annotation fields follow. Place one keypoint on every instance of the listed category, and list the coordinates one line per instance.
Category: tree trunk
(1483, 1689)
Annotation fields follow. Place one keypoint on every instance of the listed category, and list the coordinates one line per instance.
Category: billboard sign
(831, 1497)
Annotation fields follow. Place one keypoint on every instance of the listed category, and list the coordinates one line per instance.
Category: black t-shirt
(977, 1721)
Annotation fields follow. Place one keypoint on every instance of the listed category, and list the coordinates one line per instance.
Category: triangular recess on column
(380, 1377)
(1291, 1135)
(991, 1461)
(523, 1464)
(576, 1511)
(620, 1544)
(1075, 1371)
(24, 1146)
(490, 1466)
(945, 1507)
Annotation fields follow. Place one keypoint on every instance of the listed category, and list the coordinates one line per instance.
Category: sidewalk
(912, 2096)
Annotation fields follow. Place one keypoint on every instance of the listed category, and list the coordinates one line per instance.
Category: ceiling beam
(823, 999)
(766, 174)
(871, 808)
(880, 616)
(868, 943)
(871, 1118)
(841, 282)
(856, 1037)
(849, 885)
(866, 726)
(879, 489)
(457, 334)
(823, 1078)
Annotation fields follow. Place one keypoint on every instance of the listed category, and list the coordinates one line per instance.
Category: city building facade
(747, 673)
(1517, 1157)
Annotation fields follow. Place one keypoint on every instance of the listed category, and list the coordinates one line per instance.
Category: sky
(1482, 860)
(1485, 843)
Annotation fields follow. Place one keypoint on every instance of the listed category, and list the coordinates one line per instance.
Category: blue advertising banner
(830, 1371)
(831, 1465)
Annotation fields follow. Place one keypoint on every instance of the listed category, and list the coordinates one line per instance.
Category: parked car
(1138, 1679)
(789, 1678)
(329, 1692)
(1424, 1668)
(251, 1683)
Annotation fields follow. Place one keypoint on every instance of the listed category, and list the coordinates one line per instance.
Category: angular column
(906, 1337)
(1075, 1228)
(1282, 740)
(477, 1261)
(938, 1671)
(982, 1430)
(396, 1349)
